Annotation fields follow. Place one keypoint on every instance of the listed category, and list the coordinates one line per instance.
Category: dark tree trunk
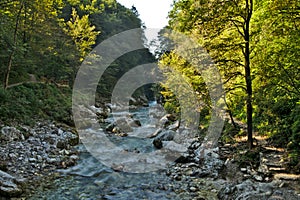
(10, 58)
(249, 7)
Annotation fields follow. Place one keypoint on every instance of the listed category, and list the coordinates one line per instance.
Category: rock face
(9, 185)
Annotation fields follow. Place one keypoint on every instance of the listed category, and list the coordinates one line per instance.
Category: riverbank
(28, 154)
(47, 161)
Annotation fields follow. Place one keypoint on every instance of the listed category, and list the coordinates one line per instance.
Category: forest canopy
(255, 45)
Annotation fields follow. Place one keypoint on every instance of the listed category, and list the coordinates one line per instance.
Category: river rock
(9, 185)
(156, 133)
(210, 161)
(135, 123)
(110, 127)
(122, 123)
(166, 120)
(67, 138)
(247, 190)
(174, 126)
(167, 135)
(11, 134)
(39, 153)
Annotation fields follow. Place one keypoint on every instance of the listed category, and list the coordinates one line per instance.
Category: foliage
(255, 45)
(32, 102)
(52, 38)
(223, 29)
(82, 33)
(277, 77)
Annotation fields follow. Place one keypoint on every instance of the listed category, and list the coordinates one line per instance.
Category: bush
(30, 102)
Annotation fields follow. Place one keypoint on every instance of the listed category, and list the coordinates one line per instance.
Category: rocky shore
(29, 153)
(221, 172)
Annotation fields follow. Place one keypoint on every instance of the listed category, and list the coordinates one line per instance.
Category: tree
(223, 28)
(30, 32)
(14, 44)
(277, 73)
(82, 32)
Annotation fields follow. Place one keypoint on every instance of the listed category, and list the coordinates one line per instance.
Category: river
(90, 179)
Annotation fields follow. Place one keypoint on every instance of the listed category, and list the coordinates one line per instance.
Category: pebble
(243, 169)
(32, 160)
(51, 160)
(258, 178)
(193, 189)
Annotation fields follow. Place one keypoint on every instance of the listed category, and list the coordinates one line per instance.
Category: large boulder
(167, 135)
(123, 125)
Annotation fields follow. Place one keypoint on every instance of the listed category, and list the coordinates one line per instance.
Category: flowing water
(90, 179)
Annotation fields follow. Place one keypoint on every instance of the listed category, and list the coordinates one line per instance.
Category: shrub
(30, 102)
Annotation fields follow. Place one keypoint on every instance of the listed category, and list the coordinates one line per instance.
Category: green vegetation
(45, 42)
(255, 45)
(31, 102)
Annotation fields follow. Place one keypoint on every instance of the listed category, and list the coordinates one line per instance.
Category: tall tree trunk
(10, 58)
(249, 7)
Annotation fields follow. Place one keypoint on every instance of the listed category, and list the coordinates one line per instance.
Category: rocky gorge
(48, 161)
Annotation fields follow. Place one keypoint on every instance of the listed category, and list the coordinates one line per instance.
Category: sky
(152, 12)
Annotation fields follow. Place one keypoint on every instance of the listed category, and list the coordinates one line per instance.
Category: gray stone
(156, 133)
(67, 139)
(9, 185)
(11, 134)
(32, 160)
(123, 125)
(174, 126)
(166, 120)
(258, 177)
(51, 160)
(110, 127)
(193, 189)
(244, 170)
(135, 123)
(164, 136)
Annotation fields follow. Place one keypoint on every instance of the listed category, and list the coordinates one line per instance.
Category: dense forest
(253, 43)
(46, 42)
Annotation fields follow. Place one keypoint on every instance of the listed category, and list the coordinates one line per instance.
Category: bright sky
(152, 12)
